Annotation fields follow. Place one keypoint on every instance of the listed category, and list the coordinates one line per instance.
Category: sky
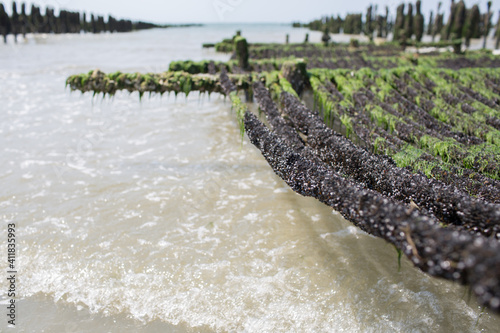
(236, 11)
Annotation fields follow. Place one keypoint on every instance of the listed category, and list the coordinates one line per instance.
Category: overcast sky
(228, 11)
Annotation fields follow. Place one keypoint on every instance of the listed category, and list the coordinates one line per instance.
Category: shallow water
(155, 216)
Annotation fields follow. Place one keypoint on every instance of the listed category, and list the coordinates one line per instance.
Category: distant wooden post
(487, 24)
(386, 22)
(34, 19)
(84, 22)
(497, 32)
(408, 32)
(400, 23)
(15, 21)
(471, 27)
(431, 24)
(419, 22)
(5, 24)
(326, 36)
(438, 23)
(23, 19)
(459, 21)
(93, 27)
(369, 23)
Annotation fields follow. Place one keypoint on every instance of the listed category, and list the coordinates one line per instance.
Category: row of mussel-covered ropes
(425, 219)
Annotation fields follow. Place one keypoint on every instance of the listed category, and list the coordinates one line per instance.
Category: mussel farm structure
(406, 147)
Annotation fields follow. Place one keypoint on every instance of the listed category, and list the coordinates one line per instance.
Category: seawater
(155, 216)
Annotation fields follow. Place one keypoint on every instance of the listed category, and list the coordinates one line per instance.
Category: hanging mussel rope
(445, 252)
(449, 204)
(177, 82)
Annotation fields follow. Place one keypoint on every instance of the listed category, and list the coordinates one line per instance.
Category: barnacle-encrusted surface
(380, 173)
(447, 253)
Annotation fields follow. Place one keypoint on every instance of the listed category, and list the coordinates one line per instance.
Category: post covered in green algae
(399, 24)
(409, 26)
(241, 50)
(295, 71)
(419, 22)
(472, 24)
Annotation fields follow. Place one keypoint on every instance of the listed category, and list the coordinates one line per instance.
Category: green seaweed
(240, 108)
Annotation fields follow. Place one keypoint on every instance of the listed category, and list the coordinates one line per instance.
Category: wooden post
(399, 24)
(487, 24)
(5, 24)
(241, 50)
(419, 23)
(295, 71)
(326, 36)
(497, 32)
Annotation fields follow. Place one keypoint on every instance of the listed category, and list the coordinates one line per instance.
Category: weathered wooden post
(34, 19)
(419, 22)
(497, 32)
(438, 23)
(471, 26)
(15, 21)
(5, 24)
(61, 22)
(459, 21)
(241, 50)
(347, 24)
(111, 25)
(387, 24)
(359, 23)
(487, 24)
(457, 46)
(380, 26)
(409, 23)
(430, 26)
(93, 28)
(306, 40)
(78, 23)
(400, 23)
(23, 20)
(84, 22)
(369, 24)
(295, 71)
(51, 24)
(100, 24)
(326, 36)
(287, 40)
(339, 23)
(353, 43)
(445, 34)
